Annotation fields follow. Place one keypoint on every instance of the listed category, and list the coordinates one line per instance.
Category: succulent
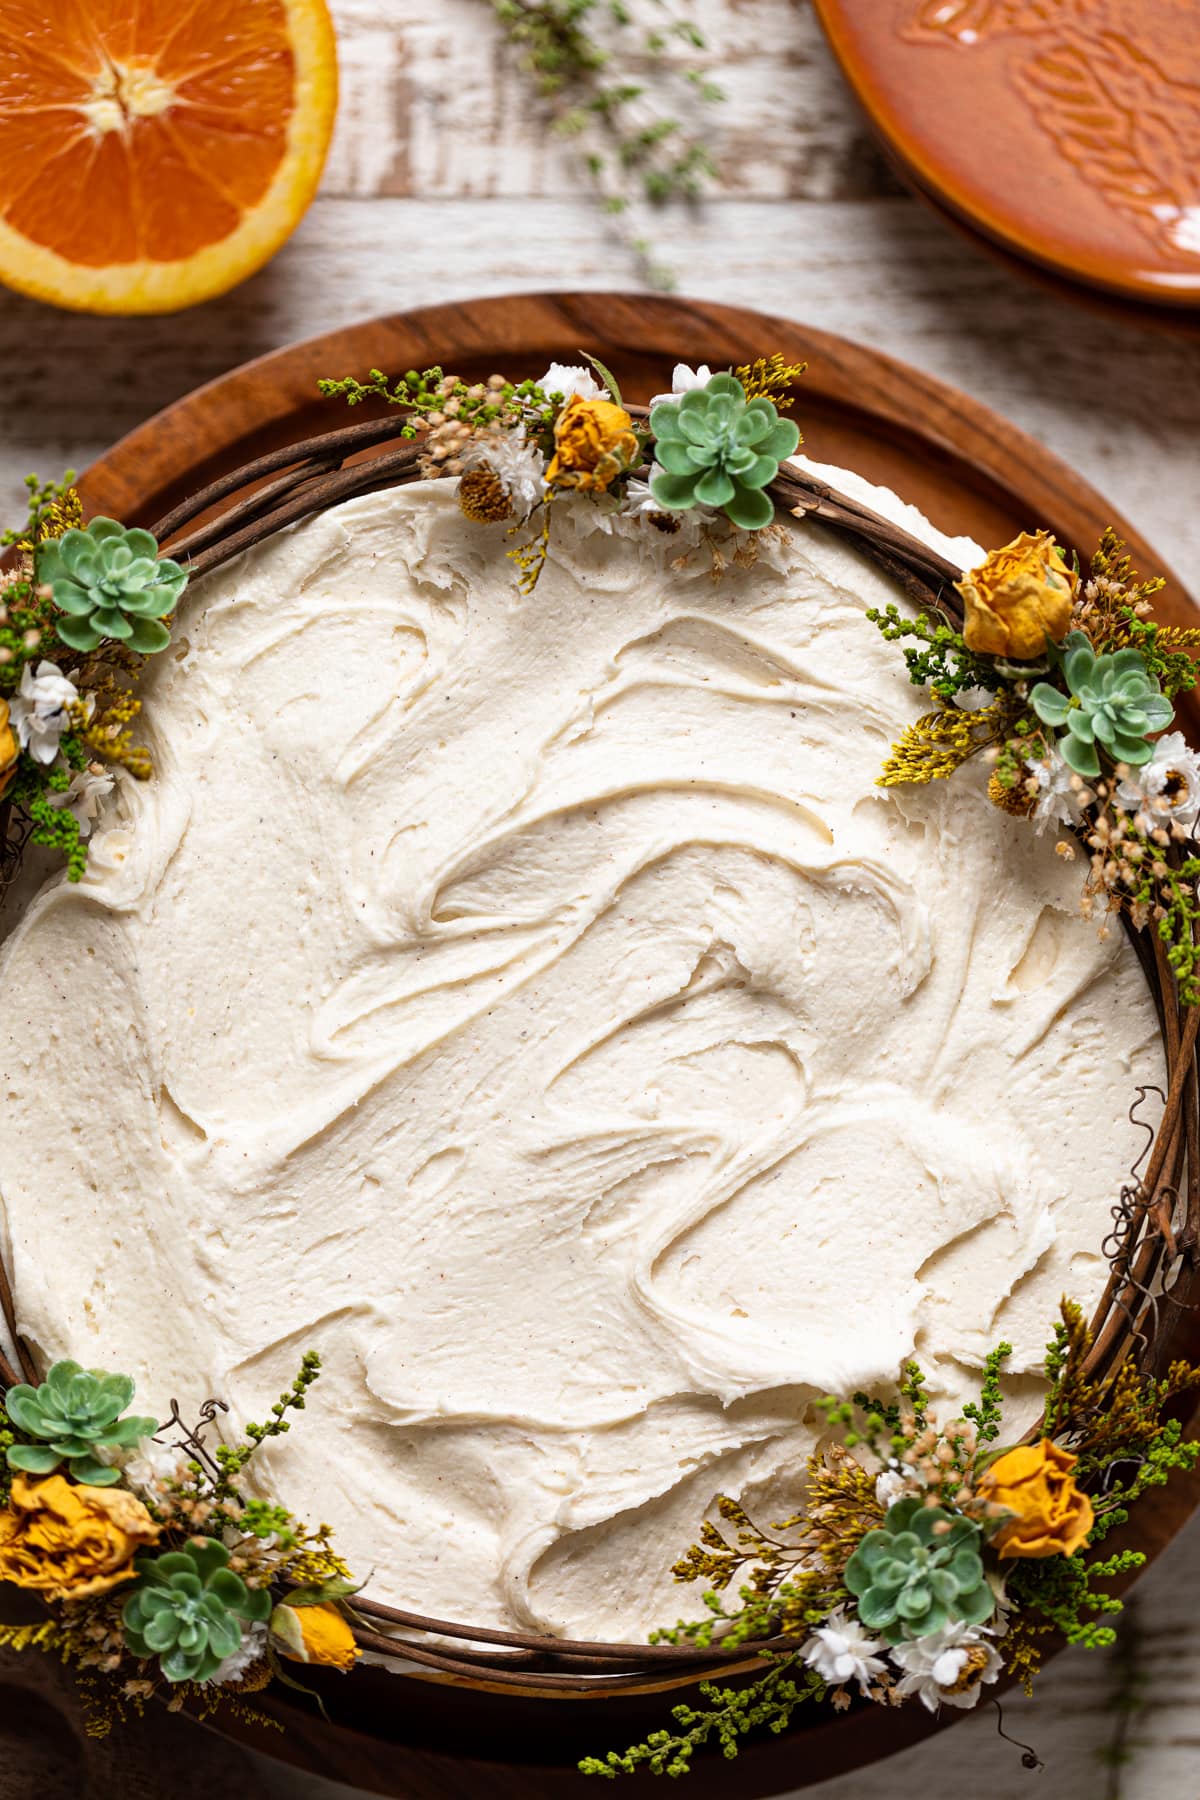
(111, 583)
(187, 1610)
(920, 1570)
(74, 1413)
(1114, 701)
(716, 448)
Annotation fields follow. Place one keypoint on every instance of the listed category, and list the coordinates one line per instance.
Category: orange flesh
(139, 130)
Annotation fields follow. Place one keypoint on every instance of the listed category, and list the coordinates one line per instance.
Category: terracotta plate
(1067, 130)
(971, 472)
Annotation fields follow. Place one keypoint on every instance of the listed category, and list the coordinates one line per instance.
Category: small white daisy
(946, 1667)
(1168, 786)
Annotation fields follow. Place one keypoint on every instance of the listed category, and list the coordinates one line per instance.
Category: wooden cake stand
(971, 472)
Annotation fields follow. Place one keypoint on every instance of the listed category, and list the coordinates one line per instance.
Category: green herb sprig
(232, 1459)
(425, 391)
(590, 63)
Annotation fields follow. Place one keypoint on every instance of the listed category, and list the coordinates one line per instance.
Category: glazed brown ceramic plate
(1067, 130)
(971, 472)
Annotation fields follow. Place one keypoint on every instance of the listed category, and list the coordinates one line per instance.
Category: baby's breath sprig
(446, 412)
(588, 61)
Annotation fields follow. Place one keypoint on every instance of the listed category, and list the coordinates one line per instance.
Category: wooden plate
(971, 472)
(1066, 132)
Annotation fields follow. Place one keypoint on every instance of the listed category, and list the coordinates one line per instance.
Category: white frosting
(533, 1005)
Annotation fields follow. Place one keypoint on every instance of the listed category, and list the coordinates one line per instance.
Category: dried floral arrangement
(924, 1558)
(156, 1570)
(933, 1560)
(80, 610)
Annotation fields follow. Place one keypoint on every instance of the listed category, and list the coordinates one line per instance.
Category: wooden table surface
(442, 184)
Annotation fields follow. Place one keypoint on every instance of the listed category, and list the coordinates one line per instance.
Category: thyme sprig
(613, 87)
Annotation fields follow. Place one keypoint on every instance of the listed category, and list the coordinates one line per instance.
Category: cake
(534, 1005)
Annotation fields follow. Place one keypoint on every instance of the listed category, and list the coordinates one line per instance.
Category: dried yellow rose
(70, 1542)
(594, 443)
(1050, 1516)
(1019, 599)
(8, 750)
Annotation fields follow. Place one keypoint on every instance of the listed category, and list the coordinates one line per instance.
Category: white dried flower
(89, 788)
(151, 1465)
(38, 710)
(946, 1667)
(1166, 787)
(568, 379)
(109, 850)
(890, 1487)
(637, 501)
(841, 1651)
(517, 464)
(252, 1646)
(683, 380)
(1057, 801)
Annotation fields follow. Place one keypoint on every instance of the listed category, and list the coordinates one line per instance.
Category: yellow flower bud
(1019, 599)
(1050, 1516)
(8, 750)
(315, 1634)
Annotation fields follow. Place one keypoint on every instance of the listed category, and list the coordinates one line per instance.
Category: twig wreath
(924, 1558)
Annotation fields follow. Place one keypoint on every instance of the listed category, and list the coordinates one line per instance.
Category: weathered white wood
(1119, 402)
(433, 103)
(443, 183)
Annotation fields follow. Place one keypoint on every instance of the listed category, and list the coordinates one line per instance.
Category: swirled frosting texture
(533, 1005)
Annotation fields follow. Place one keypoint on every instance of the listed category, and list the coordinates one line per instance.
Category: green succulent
(74, 1413)
(716, 448)
(920, 1570)
(111, 583)
(187, 1610)
(1114, 701)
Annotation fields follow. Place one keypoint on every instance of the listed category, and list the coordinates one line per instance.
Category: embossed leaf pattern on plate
(969, 21)
(1129, 128)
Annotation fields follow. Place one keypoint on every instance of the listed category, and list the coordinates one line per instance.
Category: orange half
(155, 152)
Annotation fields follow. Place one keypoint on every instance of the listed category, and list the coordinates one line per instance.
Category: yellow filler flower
(1019, 599)
(1050, 1516)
